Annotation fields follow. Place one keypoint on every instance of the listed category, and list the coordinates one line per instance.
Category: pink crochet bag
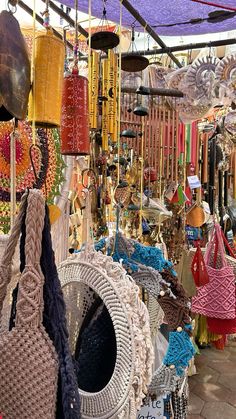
(217, 298)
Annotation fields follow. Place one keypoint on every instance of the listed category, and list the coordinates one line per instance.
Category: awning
(170, 17)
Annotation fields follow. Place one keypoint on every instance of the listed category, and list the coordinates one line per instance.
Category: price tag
(194, 182)
(153, 409)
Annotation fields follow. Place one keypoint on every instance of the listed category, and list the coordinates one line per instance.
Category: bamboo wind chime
(112, 95)
(109, 94)
(93, 90)
(105, 81)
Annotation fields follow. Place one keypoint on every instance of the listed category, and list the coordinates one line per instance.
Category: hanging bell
(141, 110)
(104, 40)
(75, 116)
(128, 133)
(46, 96)
(14, 69)
(134, 62)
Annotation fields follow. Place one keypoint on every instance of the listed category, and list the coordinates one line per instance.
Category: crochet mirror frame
(83, 274)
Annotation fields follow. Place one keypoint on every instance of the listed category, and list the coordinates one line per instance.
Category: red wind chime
(75, 108)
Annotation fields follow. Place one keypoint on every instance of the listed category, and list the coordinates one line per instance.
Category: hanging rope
(161, 147)
(76, 45)
(89, 53)
(33, 73)
(141, 181)
(119, 99)
(13, 175)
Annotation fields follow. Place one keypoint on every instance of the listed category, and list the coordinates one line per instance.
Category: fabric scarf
(54, 321)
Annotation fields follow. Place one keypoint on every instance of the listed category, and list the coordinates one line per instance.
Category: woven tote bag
(28, 361)
(224, 326)
(217, 298)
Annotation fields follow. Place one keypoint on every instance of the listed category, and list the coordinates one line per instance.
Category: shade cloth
(166, 12)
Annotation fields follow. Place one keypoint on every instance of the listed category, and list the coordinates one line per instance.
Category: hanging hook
(104, 13)
(12, 6)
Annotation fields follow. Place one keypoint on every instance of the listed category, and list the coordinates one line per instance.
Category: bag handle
(216, 243)
(29, 308)
(8, 254)
(228, 247)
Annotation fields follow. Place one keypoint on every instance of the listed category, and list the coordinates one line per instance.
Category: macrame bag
(28, 361)
(217, 298)
(224, 326)
(54, 321)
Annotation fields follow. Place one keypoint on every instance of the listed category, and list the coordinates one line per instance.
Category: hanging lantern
(75, 108)
(14, 69)
(46, 97)
(75, 116)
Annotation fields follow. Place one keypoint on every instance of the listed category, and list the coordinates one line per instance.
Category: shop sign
(153, 409)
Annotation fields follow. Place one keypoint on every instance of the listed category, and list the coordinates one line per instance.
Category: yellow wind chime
(109, 93)
(93, 89)
(112, 95)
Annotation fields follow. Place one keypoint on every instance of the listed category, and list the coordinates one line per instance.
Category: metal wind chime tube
(75, 108)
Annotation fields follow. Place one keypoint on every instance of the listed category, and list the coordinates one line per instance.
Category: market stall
(117, 205)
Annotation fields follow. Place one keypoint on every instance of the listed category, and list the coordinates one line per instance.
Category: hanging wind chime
(134, 61)
(75, 110)
(46, 96)
(104, 39)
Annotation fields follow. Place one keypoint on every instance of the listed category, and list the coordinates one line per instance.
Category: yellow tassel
(54, 213)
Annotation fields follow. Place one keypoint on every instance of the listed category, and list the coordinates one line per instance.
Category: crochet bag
(28, 361)
(217, 298)
(223, 326)
(54, 321)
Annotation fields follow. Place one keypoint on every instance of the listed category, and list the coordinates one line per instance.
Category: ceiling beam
(189, 47)
(155, 91)
(40, 20)
(149, 29)
(66, 17)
